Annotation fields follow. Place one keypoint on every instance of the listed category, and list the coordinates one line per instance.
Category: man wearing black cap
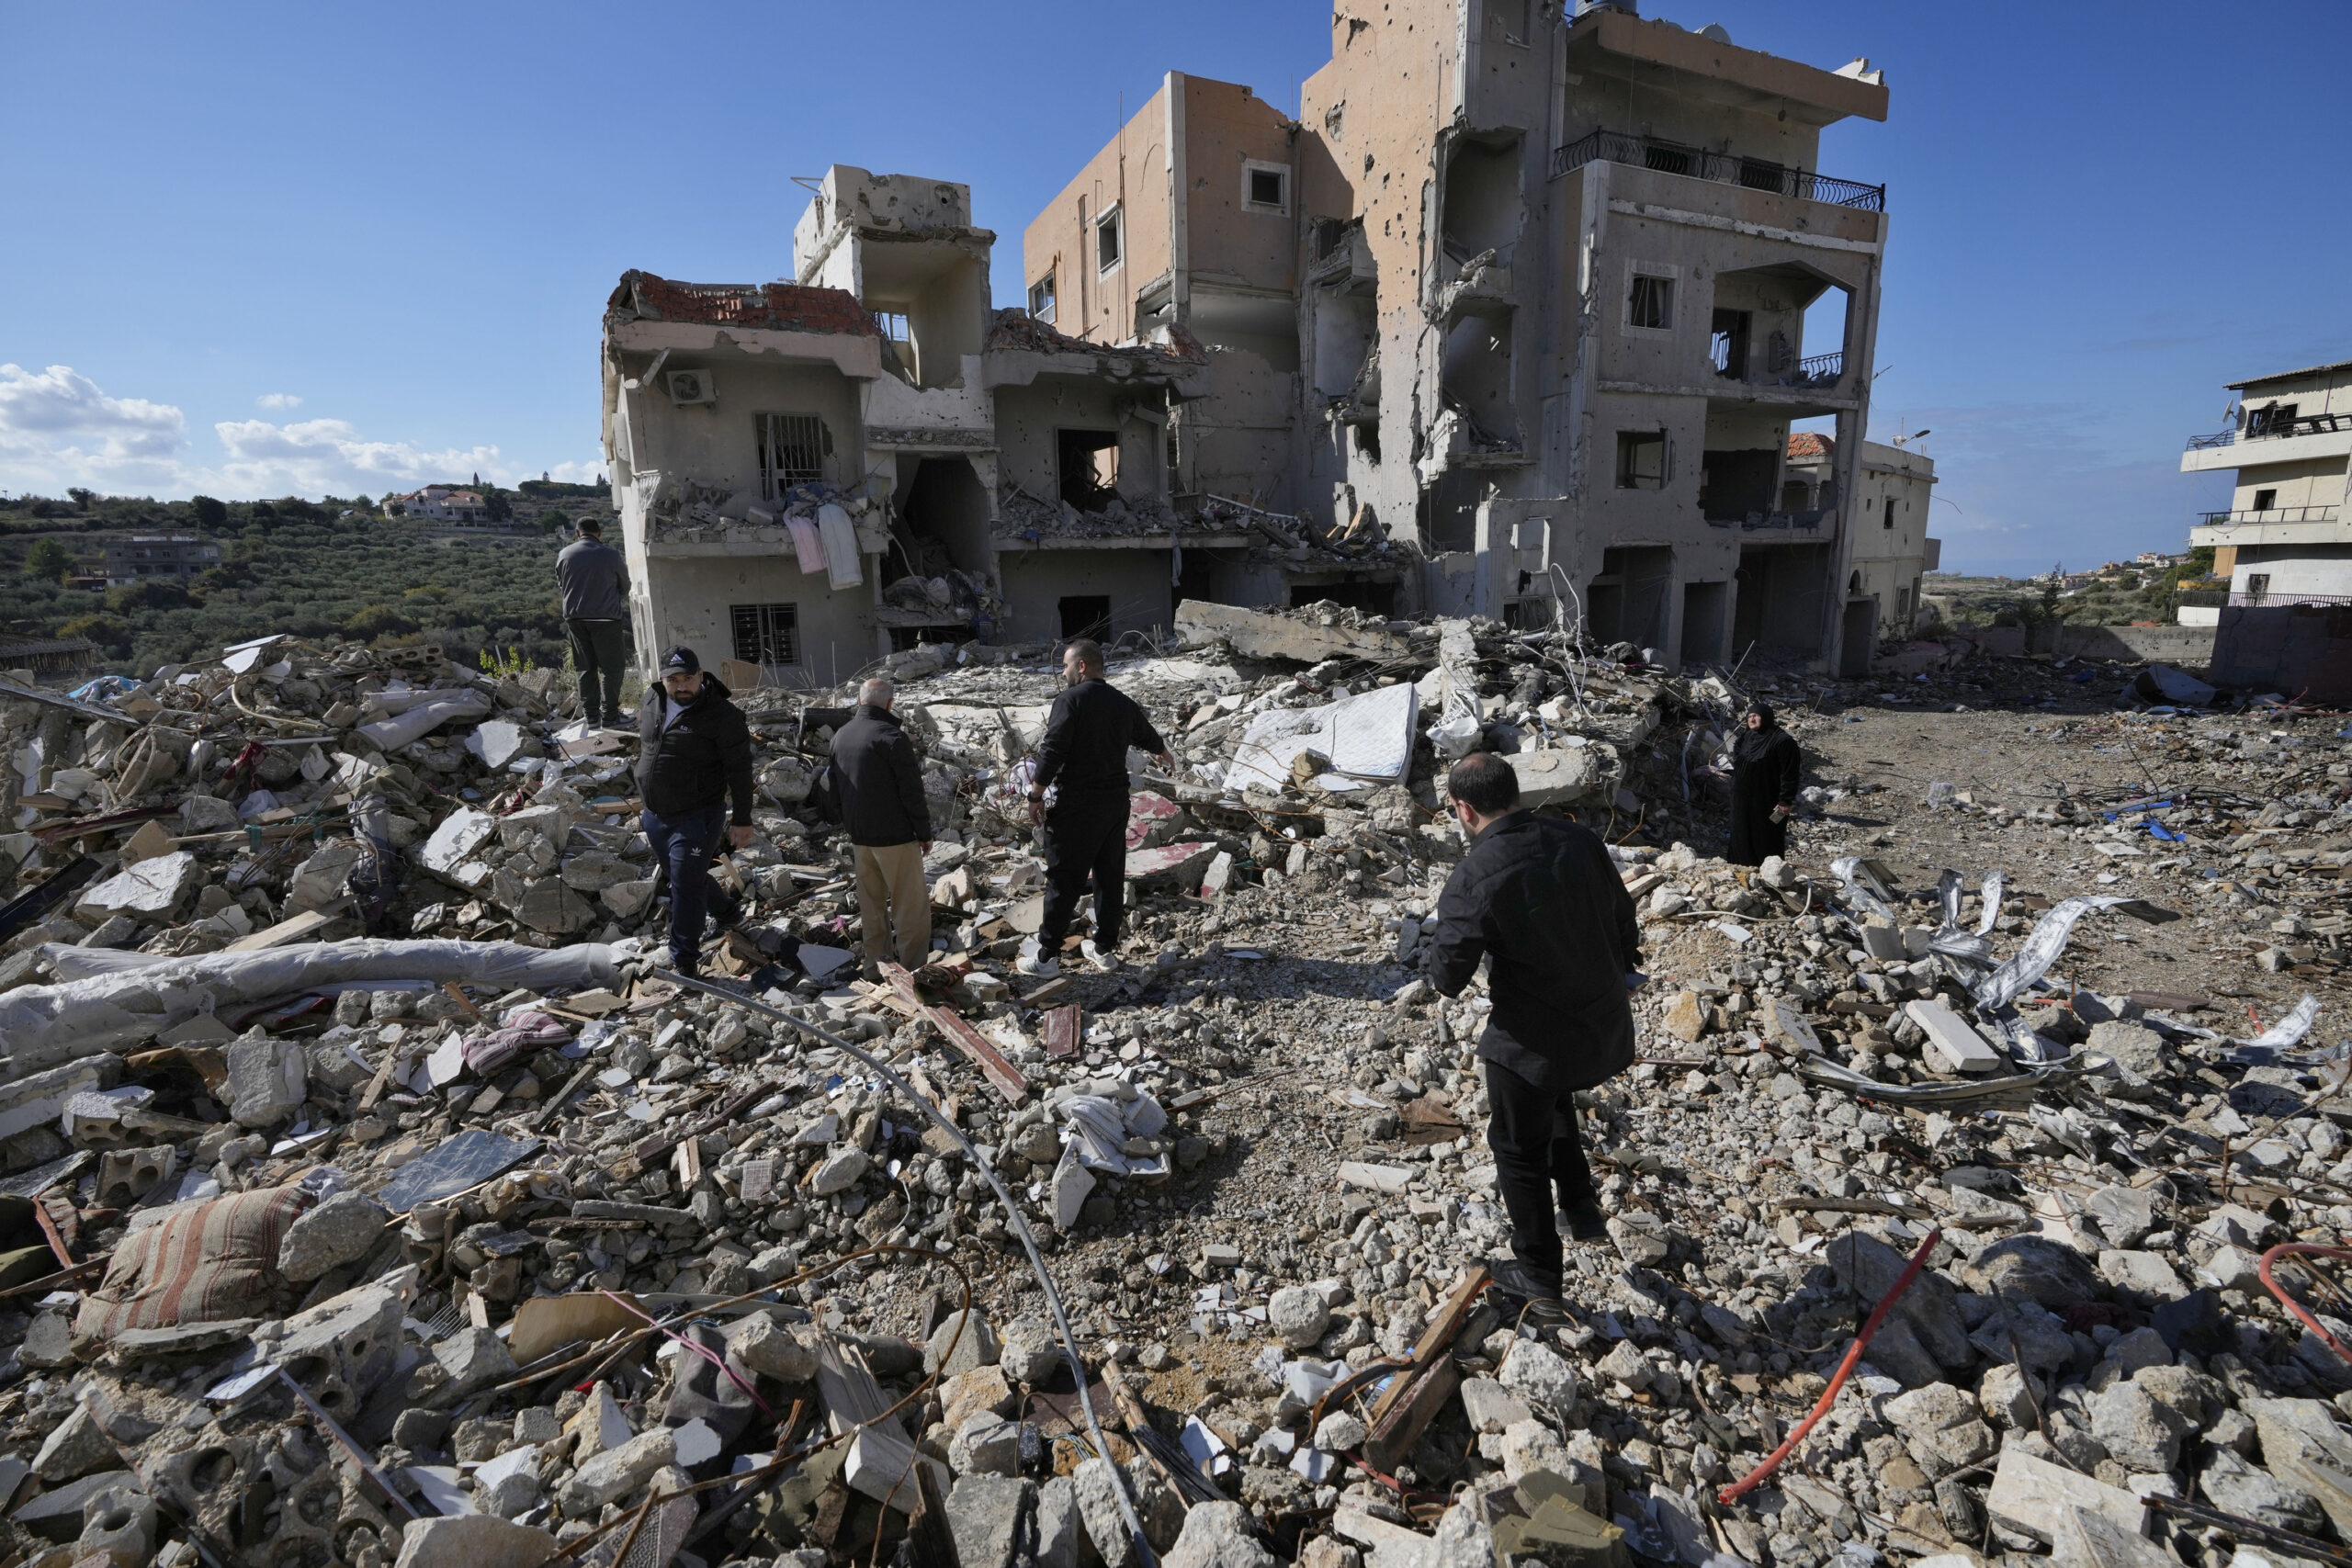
(694, 752)
(1539, 900)
(595, 581)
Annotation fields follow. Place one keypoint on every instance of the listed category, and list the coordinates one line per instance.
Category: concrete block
(1952, 1039)
(2032, 1496)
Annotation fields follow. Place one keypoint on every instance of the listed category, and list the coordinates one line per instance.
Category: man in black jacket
(694, 752)
(881, 780)
(1084, 758)
(1539, 899)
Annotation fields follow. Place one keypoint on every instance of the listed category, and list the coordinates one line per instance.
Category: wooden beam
(1007, 1078)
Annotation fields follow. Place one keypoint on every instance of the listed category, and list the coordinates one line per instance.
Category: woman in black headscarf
(1764, 768)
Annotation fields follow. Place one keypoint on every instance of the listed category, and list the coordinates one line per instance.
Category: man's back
(1087, 737)
(1540, 898)
(881, 781)
(595, 581)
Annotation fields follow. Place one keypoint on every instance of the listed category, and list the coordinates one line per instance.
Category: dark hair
(1484, 782)
(1089, 651)
(590, 525)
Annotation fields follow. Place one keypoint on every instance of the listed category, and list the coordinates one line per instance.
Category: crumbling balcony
(1723, 168)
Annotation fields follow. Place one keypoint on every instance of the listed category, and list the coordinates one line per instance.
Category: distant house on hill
(439, 503)
(158, 555)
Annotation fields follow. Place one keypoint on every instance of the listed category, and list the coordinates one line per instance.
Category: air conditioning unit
(689, 387)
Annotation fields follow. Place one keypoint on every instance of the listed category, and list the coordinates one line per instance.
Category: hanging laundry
(840, 546)
(806, 544)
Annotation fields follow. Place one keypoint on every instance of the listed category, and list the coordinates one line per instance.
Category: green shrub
(152, 593)
(378, 620)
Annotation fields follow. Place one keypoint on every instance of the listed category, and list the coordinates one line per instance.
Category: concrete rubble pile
(374, 1194)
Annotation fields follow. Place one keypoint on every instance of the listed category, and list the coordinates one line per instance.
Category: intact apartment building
(1537, 297)
(2284, 538)
(142, 556)
(1894, 487)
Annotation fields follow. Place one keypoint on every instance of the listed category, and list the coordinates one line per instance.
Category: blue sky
(257, 249)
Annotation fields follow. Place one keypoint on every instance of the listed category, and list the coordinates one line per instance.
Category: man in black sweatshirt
(694, 752)
(1084, 758)
(1540, 900)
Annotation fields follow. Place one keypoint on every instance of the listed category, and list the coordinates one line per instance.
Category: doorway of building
(1702, 622)
(1861, 639)
(1086, 615)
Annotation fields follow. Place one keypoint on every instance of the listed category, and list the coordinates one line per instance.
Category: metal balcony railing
(1723, 168)
(2266, 514)
(2273, 597)
(2258, 429)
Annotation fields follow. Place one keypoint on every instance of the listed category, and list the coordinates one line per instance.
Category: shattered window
(1041, 298)
(792, 451)
(767, 634)
(1652, 304)
(1641, 459)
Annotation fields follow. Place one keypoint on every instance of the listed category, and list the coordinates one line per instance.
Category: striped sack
(210, 1262)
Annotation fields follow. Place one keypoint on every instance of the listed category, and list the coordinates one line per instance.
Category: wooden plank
(1065, 1030)
(1394, 1434)
(1453, 1313)
(1007, 1078)
(293, 929)
(382, 1080)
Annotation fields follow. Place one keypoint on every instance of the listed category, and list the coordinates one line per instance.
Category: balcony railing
(2259, 429)
(1723, 168)
(2266, 514)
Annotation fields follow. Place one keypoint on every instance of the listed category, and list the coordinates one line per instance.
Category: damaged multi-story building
(1537, 297)
(1515, 321)
(815, 472)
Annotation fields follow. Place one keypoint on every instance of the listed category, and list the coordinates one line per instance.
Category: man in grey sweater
(595, 581)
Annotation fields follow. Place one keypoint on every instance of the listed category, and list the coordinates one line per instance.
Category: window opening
(1641, 459)
(1266, 188)
(1652, 304)
(1107, 247)
(793, 447)
(2257, 583)
(1727, 343)
(2264, 500)
(2270, 418)
(1090, 468)
(766, 634)
(893, 326)
(1041, 298)
(1086, 615)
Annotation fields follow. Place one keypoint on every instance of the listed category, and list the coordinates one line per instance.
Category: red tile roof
(779, 306)
(1804, 447)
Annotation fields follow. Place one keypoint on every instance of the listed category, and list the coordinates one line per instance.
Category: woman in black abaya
(1764, 768)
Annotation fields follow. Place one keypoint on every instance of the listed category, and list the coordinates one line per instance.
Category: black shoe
(1583, 1222)
(728, 915)
(1527, 1295)
(612, 721)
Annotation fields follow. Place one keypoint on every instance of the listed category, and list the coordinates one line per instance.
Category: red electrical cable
(2289, 1302)
(1757, 1476)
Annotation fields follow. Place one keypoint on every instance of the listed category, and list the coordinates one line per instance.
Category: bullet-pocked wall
(759, 608)
(1056, 418)
(1057, 594)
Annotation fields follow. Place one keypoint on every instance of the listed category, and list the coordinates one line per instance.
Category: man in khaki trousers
(881, 780)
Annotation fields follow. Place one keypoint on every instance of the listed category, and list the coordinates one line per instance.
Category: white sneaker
(1106, 961)
(1032, 961)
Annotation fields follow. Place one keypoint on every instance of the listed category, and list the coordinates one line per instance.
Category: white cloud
(58, 428)
(277, 401)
